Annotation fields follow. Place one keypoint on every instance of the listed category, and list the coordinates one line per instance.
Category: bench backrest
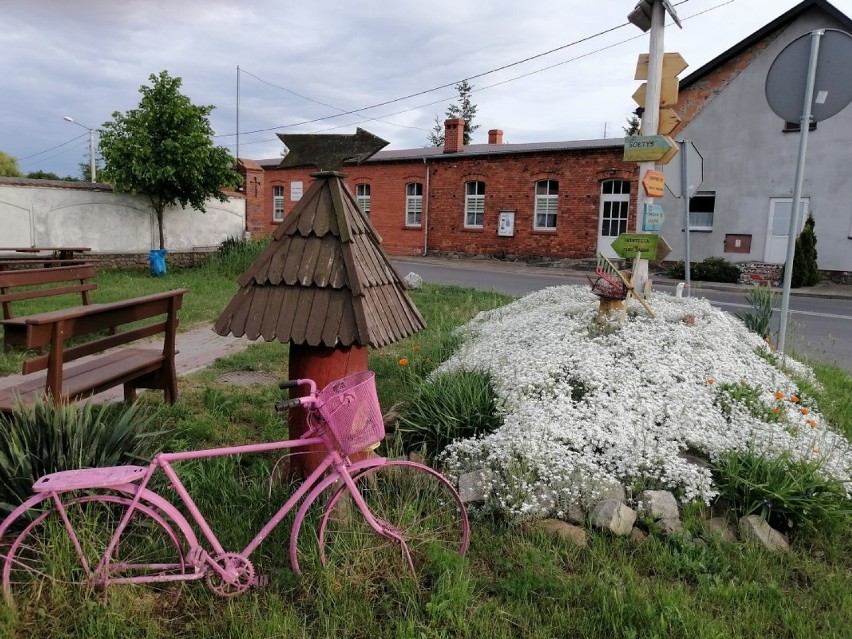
(57, 327)
(44, 282)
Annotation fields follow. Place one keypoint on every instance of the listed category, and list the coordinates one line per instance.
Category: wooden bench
(33, 283)
(133, 367)
(13, 263)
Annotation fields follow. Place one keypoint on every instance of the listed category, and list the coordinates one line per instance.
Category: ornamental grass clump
(46, 438)
(791, 495)
(446, 407)
(582, 411)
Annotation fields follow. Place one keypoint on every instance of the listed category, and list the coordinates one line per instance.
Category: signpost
(652, 217)
(649, 148)
(809, 80)
(652, 247)
(654, 183)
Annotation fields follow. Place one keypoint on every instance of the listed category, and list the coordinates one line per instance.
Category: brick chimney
(454, 135)
(495, 136)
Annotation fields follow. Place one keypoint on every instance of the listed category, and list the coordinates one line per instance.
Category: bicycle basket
(350, 407)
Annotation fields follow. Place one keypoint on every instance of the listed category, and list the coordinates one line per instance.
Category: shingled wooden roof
(323, 280)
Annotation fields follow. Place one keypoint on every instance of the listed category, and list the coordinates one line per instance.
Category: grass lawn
(516, 581)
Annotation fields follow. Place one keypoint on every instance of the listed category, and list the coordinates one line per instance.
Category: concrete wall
(62, 214)
(748, 160)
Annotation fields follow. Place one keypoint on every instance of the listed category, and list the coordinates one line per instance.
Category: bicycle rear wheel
(413, 502)
(54, 555)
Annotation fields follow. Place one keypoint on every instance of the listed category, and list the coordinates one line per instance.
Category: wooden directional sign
(654, 183)
(627, 245)
(668, 120)
(648, 148)
(668, 92)
(673, 64)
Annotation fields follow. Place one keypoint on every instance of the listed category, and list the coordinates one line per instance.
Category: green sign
(627, 245)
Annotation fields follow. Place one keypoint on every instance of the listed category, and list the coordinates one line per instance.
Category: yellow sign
(668, 121)
(648, 148)
(654, 183)
(673, 63)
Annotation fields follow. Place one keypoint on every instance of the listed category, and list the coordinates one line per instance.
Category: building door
(779, 227)
(615, 207)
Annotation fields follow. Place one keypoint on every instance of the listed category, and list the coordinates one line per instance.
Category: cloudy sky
(542, 70)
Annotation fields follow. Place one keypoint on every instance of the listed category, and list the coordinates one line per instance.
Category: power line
(490, 86)
(53, 147)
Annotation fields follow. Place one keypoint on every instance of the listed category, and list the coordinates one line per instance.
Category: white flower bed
(585, 407)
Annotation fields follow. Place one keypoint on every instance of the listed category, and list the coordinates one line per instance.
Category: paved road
(819, 328)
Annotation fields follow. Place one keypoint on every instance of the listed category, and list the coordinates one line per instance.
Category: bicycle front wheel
(415, 503)
(58, 550)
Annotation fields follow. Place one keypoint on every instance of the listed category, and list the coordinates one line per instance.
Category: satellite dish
(787, 78)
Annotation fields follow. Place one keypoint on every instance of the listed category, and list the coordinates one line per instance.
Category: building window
(546, 203)
(277, 203)
(701, 208)
(615, 206)
(362, 194)
(413, 203)
(474, 204)
(792, 127)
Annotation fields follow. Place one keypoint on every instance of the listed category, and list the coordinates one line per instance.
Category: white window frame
(277, 203)
(546, 204)
(413, 204)
(622, 197)
(362, 194)
(704, 226)
(474, 205)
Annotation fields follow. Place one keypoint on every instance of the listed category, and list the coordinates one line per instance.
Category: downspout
(426, 212)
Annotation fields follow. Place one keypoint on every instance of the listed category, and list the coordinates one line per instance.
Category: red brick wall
(509, 185)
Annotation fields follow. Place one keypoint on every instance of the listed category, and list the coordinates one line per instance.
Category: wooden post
(323, 365)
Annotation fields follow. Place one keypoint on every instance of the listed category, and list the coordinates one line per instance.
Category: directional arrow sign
(647, 148)
(673, 63)
(654, 183)
(328, 152)
(627, 245)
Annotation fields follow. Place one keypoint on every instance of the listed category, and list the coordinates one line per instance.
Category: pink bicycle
(104, 526)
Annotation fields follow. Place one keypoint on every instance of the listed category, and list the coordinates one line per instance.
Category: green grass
(515, 581)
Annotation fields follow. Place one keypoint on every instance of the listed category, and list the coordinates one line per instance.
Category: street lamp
(92, 176)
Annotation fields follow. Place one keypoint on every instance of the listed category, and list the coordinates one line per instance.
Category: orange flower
(772, 347)
(711, 381)
(805, 411)
(416, 348)
(766, 339)
(403, 361)
(811, 423)
(778, 395)
(777, 411)
(817, 451)
(794, 399)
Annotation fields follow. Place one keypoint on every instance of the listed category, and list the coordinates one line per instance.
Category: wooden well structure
(323, 284)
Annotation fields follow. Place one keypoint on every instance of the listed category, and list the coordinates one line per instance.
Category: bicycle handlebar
(296, 401)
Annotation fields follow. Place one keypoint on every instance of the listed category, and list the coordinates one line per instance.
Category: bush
(234, 255)
(790, 495)
(453, 405)
(46, 438)
(805, 269)
(711, 269)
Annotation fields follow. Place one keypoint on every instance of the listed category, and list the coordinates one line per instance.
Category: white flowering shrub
(585, 406)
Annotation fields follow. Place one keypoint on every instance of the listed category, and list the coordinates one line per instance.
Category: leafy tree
(42, 175)
(9, 165)
(463, 109)
(164, 150)
(634, 126)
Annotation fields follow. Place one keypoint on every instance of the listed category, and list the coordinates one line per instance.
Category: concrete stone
(575, 514)
(564, 530)
(755, 528)
(612, 515)
(413, 280)
(720, 527)
(659, 504)
(473, 485)
(638, 536)
(608, 490)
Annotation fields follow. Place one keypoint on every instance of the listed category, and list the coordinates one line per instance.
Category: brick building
(553, 199)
